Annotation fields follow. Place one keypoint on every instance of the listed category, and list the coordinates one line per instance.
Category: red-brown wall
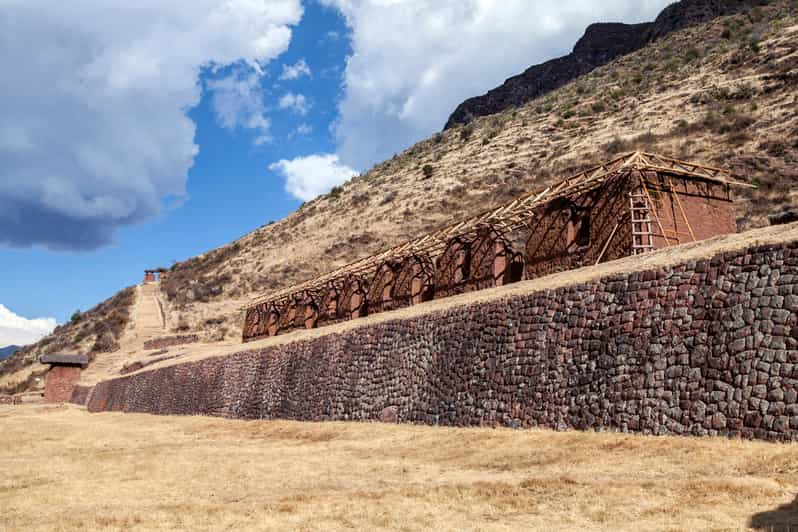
(59, 382)
(708, 206)
(552, 245)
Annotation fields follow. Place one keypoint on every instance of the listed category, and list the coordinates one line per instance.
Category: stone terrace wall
(170, 341)
(10, 400)
(80, 395)
(705, 348)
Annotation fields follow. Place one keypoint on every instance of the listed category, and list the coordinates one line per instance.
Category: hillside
(7, 351)
(723, 93)
(600, 44)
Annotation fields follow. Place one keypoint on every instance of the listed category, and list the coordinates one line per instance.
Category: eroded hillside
(722, 93)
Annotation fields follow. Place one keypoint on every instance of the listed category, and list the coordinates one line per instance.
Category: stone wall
(59, 382)
(704, 348)
(170, 341)
(9, 399)
(80, 395)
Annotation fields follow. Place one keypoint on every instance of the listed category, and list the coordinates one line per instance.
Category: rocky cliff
(600, 44)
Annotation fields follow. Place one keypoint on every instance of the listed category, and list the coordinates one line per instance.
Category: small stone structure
(62, 377)
(707, 347)
(634, 204)
(158, 274)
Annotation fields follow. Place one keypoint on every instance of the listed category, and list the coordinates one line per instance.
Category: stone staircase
(148, 314)
(147, 323)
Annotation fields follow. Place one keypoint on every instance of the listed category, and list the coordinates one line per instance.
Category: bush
(691, 55)
(466, 132)
(774, 147)
(617, 145)
(75, 316)
(105, 343)
(428, 170)
(335, 192)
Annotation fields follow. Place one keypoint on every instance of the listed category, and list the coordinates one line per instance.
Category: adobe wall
(708, 207)
(550, 248)
(706, 348)
(59, 382)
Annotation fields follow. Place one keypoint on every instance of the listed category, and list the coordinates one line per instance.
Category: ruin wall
(59, 382)
(708, 347)
(165, 342)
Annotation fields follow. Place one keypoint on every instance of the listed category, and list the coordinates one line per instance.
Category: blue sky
(134, 136)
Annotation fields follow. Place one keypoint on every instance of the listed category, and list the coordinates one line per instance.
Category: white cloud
(16, 330)
(296, 102)
(413, 61)
(304, 129)
(238, 103)
(295, 71)
(308, 177)
(93, 125)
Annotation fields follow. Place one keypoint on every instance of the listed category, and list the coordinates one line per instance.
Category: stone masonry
(165, 342)
(708, 347)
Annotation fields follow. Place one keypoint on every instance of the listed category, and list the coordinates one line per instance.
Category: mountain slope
(600, 44)
(7, 351)
(722, 93)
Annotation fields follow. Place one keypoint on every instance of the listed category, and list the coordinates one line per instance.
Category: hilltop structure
(633, 204)
(155, 275)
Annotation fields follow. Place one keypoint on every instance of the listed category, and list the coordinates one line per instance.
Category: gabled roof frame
(516, 213)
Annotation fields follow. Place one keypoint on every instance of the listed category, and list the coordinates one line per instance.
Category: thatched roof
(65, 360)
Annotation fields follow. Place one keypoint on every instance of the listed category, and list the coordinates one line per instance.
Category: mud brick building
(62, 377)
(634, 204)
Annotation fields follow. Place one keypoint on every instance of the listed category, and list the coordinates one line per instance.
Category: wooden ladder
(642, 237)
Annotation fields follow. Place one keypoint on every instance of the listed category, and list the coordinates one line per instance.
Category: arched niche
(355, 297)
(452, 267)
(272, 320)
(494, 262)
(414, 280)
(561, 232)
(261, 320)
(308, 310)
(252, 323)
(330, 307)
(380, 295)
(288, 314)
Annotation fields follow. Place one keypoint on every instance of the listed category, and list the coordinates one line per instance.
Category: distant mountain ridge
(601, 43)
(7, 351)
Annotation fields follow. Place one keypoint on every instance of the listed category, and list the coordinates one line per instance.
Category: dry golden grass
(65, 469)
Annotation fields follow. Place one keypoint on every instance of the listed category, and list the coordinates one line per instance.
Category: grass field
(64, 469)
